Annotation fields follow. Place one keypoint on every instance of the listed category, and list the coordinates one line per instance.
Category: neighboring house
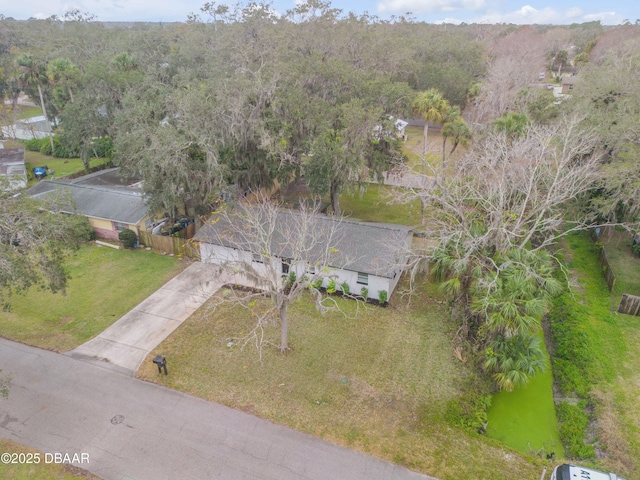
(28, 129)
(400, 126)
(567, 84)
(12, 169)
(370, 255)
(109, 207)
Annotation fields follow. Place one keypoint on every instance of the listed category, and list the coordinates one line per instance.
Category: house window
(256, 257)
(363, 278)
(120, 226)
(286, 265)
(311, 270)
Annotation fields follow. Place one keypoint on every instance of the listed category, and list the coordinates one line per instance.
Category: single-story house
(28, 129)
(109, 209)
(369, 255)
(12, 169)
(567, 84)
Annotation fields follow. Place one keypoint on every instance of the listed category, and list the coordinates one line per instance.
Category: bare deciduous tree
(512, 193)
(279, 253)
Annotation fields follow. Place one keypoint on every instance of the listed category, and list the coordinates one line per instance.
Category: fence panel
(629, 304)
(177, 245)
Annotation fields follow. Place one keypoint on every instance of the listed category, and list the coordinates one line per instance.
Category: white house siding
(219, 255)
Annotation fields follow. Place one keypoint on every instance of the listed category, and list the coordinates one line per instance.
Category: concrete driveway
(125, 344)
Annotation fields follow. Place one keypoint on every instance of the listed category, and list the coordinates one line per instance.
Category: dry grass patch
(374, 379)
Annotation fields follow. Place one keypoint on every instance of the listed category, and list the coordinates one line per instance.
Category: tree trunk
(424, 144)
(46, 118)
(335, 200)
(84, 156)
(444, 144)
(284, 327)
(70, 94)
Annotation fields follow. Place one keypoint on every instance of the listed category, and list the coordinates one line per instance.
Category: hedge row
(100, 148)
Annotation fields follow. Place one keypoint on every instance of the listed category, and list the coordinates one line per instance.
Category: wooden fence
(629, 304)
(607, 270)
(179, 243)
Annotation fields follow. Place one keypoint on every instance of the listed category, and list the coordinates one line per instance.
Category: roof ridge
(109, 189)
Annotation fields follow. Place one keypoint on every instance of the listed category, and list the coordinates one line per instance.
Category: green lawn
(41, 471)
(374, 379)
(373, 205)
(613, 345)
(104, 285)
(625, 265)
(9, 116)
(412, 148)
(525, 419)
(61, 166)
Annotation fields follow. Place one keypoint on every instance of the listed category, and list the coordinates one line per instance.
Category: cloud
(528, 15)
(430, 6)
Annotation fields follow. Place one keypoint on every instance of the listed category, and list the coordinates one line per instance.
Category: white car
(573, 472)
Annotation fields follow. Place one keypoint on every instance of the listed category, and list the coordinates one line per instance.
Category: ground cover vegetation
(380, 380)
(239, 99)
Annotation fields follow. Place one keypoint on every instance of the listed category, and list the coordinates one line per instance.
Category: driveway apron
(125, 344)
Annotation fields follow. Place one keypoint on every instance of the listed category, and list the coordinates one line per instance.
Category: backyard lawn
(374, 379)
(373, 205)
(41, 471)
(61, 166)
(104, 285)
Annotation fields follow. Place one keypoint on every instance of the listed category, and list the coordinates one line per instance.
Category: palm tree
(459, 133)
(432, 106)
(515, 360)
(32, 74)
(63, 72)
(512, 124)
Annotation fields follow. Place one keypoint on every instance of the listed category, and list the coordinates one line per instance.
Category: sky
(610, 12)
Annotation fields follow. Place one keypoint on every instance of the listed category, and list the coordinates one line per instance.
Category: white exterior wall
(219, 255)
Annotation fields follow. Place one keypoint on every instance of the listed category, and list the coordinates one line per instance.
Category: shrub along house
(365, 255)
(109, 208)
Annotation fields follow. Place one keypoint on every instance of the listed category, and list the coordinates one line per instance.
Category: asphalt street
(130, 429)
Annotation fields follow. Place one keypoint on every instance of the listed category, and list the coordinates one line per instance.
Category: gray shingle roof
(372, 248)
(115, 204)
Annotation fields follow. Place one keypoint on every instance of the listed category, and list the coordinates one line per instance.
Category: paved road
(132, 429)
(125, 344)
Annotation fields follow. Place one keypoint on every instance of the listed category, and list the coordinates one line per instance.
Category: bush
(470, 409)
(33, 145)
(331, 287)
(103, 147)
(128, 238)
(635, 248)
(317, 284)
(45, 147)
(573, 423)
(364, 292)
(344, 286)
(82, 229)
(382, 297)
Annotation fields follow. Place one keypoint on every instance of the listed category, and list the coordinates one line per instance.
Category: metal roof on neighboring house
(372, 248)
(115, 204)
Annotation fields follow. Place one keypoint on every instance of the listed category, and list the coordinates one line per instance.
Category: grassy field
(373, 205)
(10, 116)
(525, 419)
(61, 166)
(374, 379)
(104, 285)
(614, 372)
(41, 471)
(413, 149)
